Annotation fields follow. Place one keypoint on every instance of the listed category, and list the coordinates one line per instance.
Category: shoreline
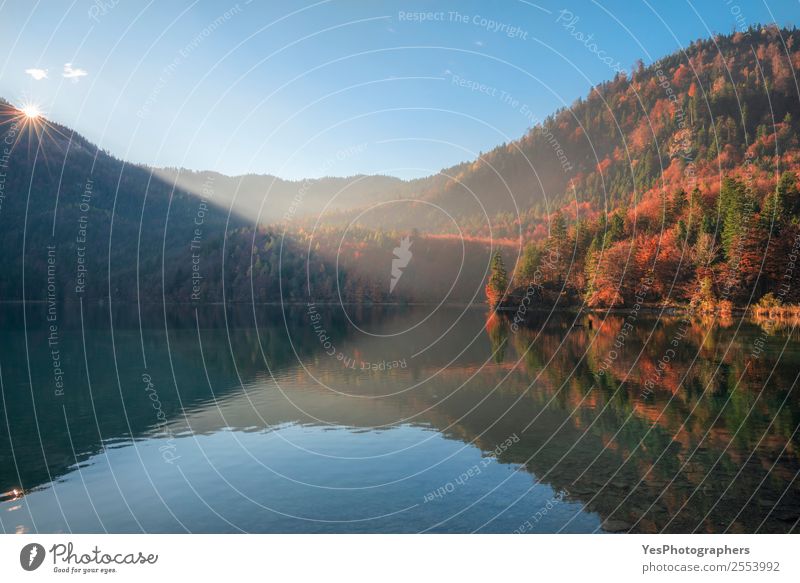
(670, 310)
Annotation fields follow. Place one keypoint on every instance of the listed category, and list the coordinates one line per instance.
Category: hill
(673, 185)
(695, 200)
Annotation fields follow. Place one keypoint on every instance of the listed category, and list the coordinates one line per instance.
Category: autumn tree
(704, 299)
(677, 205)
(498, 281)
(529, 262)
(732, 201)
(617, 276)
(781, 204)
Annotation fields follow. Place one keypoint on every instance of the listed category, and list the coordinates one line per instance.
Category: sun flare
(31, 120)
(31, 111)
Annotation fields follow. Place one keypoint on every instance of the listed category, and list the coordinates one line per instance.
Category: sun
(31, 119)
(31, 111)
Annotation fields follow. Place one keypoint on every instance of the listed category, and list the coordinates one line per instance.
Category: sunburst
(31, 116)
(28, 118)
(31, 111)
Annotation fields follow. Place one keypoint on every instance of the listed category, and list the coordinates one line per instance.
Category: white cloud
(37, 74)
(73, 73)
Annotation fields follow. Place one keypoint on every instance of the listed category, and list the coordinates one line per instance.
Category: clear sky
(340, 87)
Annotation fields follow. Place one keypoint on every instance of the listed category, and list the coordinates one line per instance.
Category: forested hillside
(77, 223)
(689, 195)
(675, 184)
(688, 119)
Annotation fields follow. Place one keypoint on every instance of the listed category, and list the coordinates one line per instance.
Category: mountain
(78, 223)
(705, 109)
(266, 199)
(690, 195)
(674, 184)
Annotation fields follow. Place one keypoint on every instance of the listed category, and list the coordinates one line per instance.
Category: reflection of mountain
(239, 359)
(597, 436)
(116, 407)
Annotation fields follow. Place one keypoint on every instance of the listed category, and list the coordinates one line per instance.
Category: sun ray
(29, 117)
(31, 111)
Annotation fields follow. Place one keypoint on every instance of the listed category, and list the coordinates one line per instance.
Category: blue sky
(305, 89)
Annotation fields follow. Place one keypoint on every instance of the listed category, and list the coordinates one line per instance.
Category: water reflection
(278, 420)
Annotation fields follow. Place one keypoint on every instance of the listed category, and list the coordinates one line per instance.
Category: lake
(326, 418)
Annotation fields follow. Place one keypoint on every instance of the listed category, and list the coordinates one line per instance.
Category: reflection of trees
(497, 330)
(780, 324)
(595, 435)
(703, 418)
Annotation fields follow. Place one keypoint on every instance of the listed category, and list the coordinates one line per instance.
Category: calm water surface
(394, 420)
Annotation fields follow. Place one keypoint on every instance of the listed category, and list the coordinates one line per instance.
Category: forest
(681, 189)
